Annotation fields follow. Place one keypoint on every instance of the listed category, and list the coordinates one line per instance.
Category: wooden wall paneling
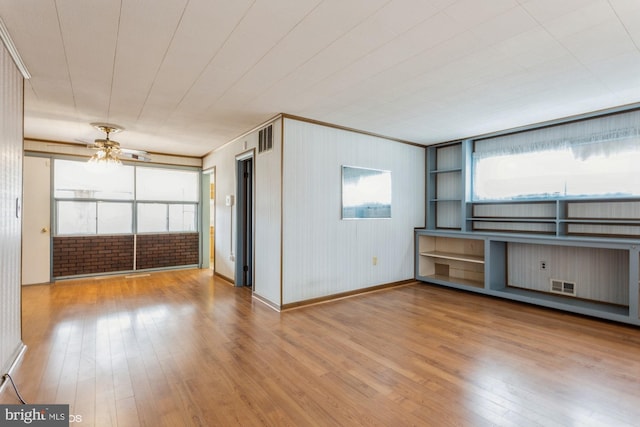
(323, 254)
(599, 274)
(515, 210)
(267, 217)
(523, 227)
(268, 180)
(448, 214)
(11, 109)
(449, 186)
(604, 210)
(449, 157)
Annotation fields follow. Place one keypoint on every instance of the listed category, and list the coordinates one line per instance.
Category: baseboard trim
(17, 357)
(225, 278)
(343, 295)
(266, 302)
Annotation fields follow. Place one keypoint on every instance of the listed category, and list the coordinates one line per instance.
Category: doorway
(212, 222)
(244, 219)
(36, 221)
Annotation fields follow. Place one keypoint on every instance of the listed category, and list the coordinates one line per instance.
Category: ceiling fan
(109, 151)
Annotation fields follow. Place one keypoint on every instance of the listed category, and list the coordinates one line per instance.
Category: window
(91, 201)
(165, 217)
(114, 218)
(594, 157)
(156, 184)
(76, 217)
(75, 180)
(172, 197)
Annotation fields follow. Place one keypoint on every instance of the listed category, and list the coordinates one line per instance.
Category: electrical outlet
(543, 265)
(375, 260)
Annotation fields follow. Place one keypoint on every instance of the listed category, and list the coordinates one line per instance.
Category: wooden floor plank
(182, 348)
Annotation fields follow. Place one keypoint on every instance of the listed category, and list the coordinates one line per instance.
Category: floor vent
(562, 287)
(265, 139)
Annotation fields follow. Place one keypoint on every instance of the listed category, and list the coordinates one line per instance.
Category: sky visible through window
(556, 174)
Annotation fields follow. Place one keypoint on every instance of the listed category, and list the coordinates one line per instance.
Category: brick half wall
(167, 250)
(78, 255)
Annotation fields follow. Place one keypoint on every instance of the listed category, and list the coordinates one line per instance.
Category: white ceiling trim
(13, 51)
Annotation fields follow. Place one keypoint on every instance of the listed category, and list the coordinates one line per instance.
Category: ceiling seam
(569, 51)
(357, 59)
(422, 52)
(224, 43)
(164, 57)
(623, 25)
(66, 59)
(113, 66)
(266, 53)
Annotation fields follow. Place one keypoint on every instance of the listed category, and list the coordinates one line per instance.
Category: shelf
(446, 280)
(554, 300)
(446, 170)
(454, 256)
(601, 221)
(605, 271)
(513, 219)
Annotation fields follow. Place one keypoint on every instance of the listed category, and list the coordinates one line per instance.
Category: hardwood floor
(182, 348)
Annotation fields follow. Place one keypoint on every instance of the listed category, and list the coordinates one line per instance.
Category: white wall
(268, 185)
(267, 172)
(323, 254)
(11, 102)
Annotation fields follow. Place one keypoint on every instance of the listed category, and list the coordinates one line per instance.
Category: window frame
(133, 202)
(167, 216)
(612, 142)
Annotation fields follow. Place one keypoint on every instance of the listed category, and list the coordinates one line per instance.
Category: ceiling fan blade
(135, 156)
(113, 147)
(89, 143)
(132, 151)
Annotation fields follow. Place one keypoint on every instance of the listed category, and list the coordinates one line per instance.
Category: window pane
(152, 217)
(182, 218)
(114, 218)
(556, 174)
(76, 217)
(595, 157)
(166, 185)
(73, 179)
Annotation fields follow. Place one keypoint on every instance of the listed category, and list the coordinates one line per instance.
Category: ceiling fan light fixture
(106, 156)
(108, 153)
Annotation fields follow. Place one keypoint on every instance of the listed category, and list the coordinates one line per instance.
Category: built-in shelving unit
(446, 259)
(445, 194)
(604, 273)
(579, 254)
(595, 217)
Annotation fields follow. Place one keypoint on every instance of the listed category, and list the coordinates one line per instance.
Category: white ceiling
(186, 76)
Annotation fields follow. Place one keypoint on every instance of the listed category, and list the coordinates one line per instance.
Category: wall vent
(562, 287)
(265, 139)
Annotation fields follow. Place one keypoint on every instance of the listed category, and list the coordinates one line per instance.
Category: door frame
(245, 221)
